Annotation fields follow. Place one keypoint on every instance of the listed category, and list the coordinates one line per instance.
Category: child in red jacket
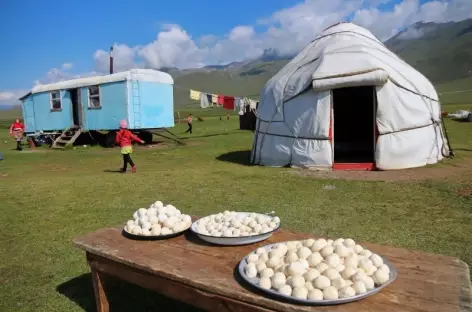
(125, 138)
(16, 130)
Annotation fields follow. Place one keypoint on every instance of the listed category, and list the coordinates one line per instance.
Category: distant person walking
(227, 116)
(125, 139)
(189, 123)
(16, 130)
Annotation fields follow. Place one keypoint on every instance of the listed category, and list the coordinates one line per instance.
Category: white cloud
(67, 66)
(11, 97)
(286, 31)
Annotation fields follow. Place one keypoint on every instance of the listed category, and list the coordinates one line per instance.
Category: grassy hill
(442, 52)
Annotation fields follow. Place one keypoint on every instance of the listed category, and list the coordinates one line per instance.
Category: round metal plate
(151, 237)
(254, 282)
(234, 241)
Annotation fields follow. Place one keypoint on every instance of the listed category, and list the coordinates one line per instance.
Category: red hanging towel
(228, 102)
(221, 99)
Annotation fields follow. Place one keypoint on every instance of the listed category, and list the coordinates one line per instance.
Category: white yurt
(347, 102)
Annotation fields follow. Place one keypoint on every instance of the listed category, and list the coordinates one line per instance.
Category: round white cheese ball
(330, 293)
(295, 281)
(338, 283)
(331, 273)
(295, 268)
(369, 283)
(130, 223)
(251, 271)
(315, 294)
(322, 267)
(273, 262)
(347, 292)
(380, 277)
(351, 261)
(385, 268)
(291, 256)
(153, 219)
(264, 282)
(278, 280)
(253, 258)
(304, 263)
(358, 249)
(267, 272)
(314, 259)
(326, 251)
(333, 260)
(260, 266)
(338, 242)
(285, 290)
(303, 252)
(166, 231)
(348, 272)
(359, 287)
(311, 274)
(156, 231)
(321, 282)
(319, 244)
(309, 242)
(142, 212)
(341, 250)
(300, 292)
(146, 232)
(309, 285)
(350, 243)
(137, 230)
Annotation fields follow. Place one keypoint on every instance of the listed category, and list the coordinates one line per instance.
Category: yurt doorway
(353, 130)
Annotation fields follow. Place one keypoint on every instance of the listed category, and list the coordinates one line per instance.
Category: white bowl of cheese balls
(159, 221)
(317, 271)
(235, 228)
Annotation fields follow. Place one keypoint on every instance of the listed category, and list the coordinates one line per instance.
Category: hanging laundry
(221, 99)
(204, 100)
(252, 104)
(214, 99)
(228, 102)
(194, 95)
(236, 103)
(209, 99)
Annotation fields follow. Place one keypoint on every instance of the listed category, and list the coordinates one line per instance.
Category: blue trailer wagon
(143, 97)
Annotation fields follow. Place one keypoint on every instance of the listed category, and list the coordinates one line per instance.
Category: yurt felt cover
(295, 110)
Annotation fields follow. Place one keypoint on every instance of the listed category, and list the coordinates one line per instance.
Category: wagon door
(28, 115)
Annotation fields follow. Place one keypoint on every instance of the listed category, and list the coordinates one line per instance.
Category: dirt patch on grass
(460, 171)
(465, 192)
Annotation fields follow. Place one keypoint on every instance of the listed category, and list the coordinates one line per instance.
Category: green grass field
(48, 197)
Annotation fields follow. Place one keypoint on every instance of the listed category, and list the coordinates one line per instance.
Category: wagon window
(55, 97)
(94, 97)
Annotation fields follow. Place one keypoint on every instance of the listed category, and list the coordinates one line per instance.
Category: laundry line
(210, 99)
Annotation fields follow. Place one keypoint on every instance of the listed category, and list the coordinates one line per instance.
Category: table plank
(426, 282)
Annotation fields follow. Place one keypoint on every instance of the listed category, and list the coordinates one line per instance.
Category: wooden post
(178, 115)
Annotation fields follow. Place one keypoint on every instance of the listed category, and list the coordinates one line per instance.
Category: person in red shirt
(189, 123)
(16, 130)
(125, 139)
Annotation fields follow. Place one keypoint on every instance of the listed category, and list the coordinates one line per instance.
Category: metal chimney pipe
(111, 60)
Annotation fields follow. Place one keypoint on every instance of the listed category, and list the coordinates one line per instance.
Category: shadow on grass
(237, 157)
(122, 296)
(189, 136)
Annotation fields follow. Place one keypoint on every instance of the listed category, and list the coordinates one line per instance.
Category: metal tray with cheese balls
(157, 222)
(317, 271)
(233, 228)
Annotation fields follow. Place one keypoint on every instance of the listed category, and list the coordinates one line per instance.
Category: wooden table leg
(98, 288)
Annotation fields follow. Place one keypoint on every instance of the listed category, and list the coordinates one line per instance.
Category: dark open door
(76, 106)
(354, 127)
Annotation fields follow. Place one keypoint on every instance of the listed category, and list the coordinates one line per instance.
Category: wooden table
(190, 270)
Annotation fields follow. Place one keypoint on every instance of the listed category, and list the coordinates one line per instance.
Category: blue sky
(39, 36)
